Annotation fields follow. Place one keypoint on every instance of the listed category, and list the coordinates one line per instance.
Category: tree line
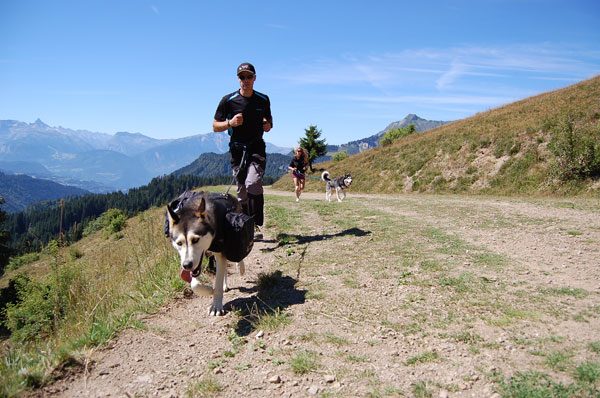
(66, 219)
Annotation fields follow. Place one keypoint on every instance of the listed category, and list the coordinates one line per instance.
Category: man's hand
(237, 120)
(266, 125)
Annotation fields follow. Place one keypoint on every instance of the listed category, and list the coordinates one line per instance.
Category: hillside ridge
(513, 149)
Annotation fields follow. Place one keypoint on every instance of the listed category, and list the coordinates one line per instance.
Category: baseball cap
(246, 67)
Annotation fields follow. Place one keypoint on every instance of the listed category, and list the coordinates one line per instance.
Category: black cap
(246, 67)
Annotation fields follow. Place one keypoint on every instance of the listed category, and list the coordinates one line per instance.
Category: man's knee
(255, 188)
(254, 183)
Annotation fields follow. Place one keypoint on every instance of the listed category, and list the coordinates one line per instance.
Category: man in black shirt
(246, 114)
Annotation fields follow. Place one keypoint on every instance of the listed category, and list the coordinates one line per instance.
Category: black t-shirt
(254, 109)
(299, 164)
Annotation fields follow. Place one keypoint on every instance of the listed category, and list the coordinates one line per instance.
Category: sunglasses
(245, 77)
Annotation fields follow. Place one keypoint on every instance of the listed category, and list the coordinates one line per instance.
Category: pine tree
(313, 145)
(5, 250)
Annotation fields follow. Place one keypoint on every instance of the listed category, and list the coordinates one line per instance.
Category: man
(246, 114)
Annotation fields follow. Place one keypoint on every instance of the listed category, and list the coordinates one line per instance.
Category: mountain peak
(38, 123)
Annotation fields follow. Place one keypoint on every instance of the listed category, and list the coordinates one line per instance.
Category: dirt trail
(370, 329)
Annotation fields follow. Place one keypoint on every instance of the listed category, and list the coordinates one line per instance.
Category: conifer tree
(313, 145)
(5, 250)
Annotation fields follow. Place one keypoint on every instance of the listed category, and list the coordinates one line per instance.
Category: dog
(197, 224)
(339, 184)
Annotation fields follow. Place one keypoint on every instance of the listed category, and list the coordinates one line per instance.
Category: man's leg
(242, 192)
(254, 188)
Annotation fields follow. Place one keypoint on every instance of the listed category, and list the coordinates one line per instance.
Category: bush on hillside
(19, 261)
(110, 222)
(396, 134)
(577, 150)
(42, 304)
(339, 156)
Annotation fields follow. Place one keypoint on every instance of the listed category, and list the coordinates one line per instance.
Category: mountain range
(39, 162)
(100, 162)
(352, 147)
(20, 191)
(217, 165)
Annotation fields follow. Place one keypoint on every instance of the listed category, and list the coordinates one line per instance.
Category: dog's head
(186, 224)
(347, 179)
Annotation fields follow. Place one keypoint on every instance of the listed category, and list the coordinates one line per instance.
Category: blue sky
(160, 67)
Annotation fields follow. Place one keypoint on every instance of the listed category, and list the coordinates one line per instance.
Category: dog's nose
(188, 265)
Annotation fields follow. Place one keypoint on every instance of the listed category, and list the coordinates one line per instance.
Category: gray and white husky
(195, 224)
(338, 184)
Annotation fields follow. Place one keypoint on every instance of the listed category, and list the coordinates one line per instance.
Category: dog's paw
(242, 267)
(199, 289)
(214, 311)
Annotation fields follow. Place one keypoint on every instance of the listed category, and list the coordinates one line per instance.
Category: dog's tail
(325, 176)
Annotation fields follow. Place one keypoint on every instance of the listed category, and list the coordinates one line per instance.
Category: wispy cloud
(443, 69)
(437, 99)
(456, 70)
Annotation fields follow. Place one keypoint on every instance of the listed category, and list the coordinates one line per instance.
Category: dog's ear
(167, 226)
(172, 211)
(200, 211)
(171, 216)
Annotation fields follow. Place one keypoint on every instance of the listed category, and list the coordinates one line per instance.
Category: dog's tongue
(186, 275)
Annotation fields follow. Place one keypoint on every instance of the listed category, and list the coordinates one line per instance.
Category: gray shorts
(252, 184)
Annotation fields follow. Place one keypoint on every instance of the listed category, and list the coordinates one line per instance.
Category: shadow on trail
(291, 239)
(274, 293)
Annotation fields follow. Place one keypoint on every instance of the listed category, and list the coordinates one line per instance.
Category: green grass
(566, 291)
(271, 320)
(335, 340)
(594, 346)
(207, 387)
(536, 385)
(304, 362)
(588, 372)
(421, 390)
(425, 357)
(559, 360)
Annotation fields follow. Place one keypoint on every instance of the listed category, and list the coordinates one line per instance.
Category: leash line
(242, 164)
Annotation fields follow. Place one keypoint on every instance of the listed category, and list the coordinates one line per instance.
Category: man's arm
(235, 121)
(220, 126)
(268, 119)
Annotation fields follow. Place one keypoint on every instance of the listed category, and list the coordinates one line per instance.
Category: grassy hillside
(78, 297)
(519, 148)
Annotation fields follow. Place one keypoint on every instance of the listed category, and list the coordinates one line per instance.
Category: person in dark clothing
(298, 168)
(246, 114)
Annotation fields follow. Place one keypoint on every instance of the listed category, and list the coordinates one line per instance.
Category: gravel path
(383, 296)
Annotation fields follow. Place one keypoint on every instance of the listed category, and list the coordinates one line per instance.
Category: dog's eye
(195, 240)
(179, 243)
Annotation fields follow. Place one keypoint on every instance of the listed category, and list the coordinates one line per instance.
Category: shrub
(576, 149)
(42, 304)
(18, 262)
(32, 316)
(111, 221)
(339, 156)
(395, 134)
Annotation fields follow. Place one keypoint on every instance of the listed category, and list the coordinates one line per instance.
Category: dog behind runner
(200, 223)
(339, 184)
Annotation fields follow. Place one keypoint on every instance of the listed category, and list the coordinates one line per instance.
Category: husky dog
(196, 223)
(339, 184)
